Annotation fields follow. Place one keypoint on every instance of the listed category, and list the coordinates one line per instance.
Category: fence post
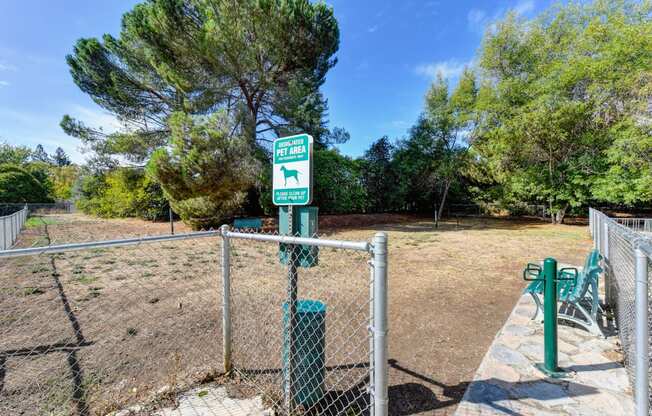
(371, 331)
(380, 325)
(608, 284)
(171, 219)
(605, 241)
(13, 229)
(226, 298)
(642, 335)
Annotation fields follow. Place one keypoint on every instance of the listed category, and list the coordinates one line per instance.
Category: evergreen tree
(40, 155)
(378, 176)
(263, 62)
(207, 170)
(60, 158)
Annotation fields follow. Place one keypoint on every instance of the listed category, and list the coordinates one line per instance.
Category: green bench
(250, 224)
(577, 293)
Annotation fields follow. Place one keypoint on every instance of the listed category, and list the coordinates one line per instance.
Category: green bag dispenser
(305, 225)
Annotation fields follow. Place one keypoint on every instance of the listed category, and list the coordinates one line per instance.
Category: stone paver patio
(508, 383)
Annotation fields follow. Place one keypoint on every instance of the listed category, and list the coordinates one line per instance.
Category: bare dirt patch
(91, 331)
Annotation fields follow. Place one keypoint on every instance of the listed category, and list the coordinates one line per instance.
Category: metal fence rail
(44, 208)
(93, 327)
(10, 226)
(478, 210)
(627, 255)
(642, 225)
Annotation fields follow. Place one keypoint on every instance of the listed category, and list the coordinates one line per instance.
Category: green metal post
(550, 360)
(550, 314)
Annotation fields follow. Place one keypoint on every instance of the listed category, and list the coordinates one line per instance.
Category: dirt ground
(88, 332)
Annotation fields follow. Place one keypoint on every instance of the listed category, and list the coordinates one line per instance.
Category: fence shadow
(413, 397)
(404, 399)
(71, 348)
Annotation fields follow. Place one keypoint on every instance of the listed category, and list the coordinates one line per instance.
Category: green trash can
(309, 344)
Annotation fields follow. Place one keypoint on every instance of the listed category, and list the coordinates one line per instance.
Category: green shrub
(63, 179)
(207, 170)
(122, 192)
(18, 184)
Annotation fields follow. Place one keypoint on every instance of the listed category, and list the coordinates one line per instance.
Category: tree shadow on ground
(499, 395)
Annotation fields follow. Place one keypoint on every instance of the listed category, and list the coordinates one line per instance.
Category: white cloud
(372, 29)
(4, 83)
(476, 17)
(449, 69)
(524, 7)
(7, 67)
(31, 128)
(96, 118)
(399, 123)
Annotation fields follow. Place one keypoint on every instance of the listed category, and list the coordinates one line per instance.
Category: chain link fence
(62, 207)
(627, 256)
(195, 323)
(10, 226)
(641, 225)
(492, 209)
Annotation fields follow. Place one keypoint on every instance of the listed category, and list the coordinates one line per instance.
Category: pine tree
(40, 155)
(60, 157)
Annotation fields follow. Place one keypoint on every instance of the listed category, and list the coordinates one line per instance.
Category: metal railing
(483, 209)
(10, 226)
(627, 256)
(94, 327)
(45, 208)
(641, 225)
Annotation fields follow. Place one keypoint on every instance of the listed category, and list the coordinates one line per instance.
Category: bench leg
(537, 302)
(589, 323)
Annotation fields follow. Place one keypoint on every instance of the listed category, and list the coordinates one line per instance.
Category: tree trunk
(558, 217)
(443, 202)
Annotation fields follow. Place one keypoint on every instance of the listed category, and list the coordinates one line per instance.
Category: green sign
(292, 170)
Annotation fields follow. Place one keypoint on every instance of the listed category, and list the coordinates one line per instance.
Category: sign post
(292, 185)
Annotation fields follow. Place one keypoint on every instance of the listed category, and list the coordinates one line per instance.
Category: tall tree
(564, 97)
(433, 157)
(263, 61)
(378, 176)
(40, 155)
(60, 158)
(451, 117)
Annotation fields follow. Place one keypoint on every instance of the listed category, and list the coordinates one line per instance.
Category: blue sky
(389, 53)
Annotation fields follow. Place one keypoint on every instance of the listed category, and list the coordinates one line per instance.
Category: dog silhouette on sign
(289, 173)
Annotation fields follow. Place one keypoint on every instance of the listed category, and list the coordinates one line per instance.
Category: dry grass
(149, 315)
